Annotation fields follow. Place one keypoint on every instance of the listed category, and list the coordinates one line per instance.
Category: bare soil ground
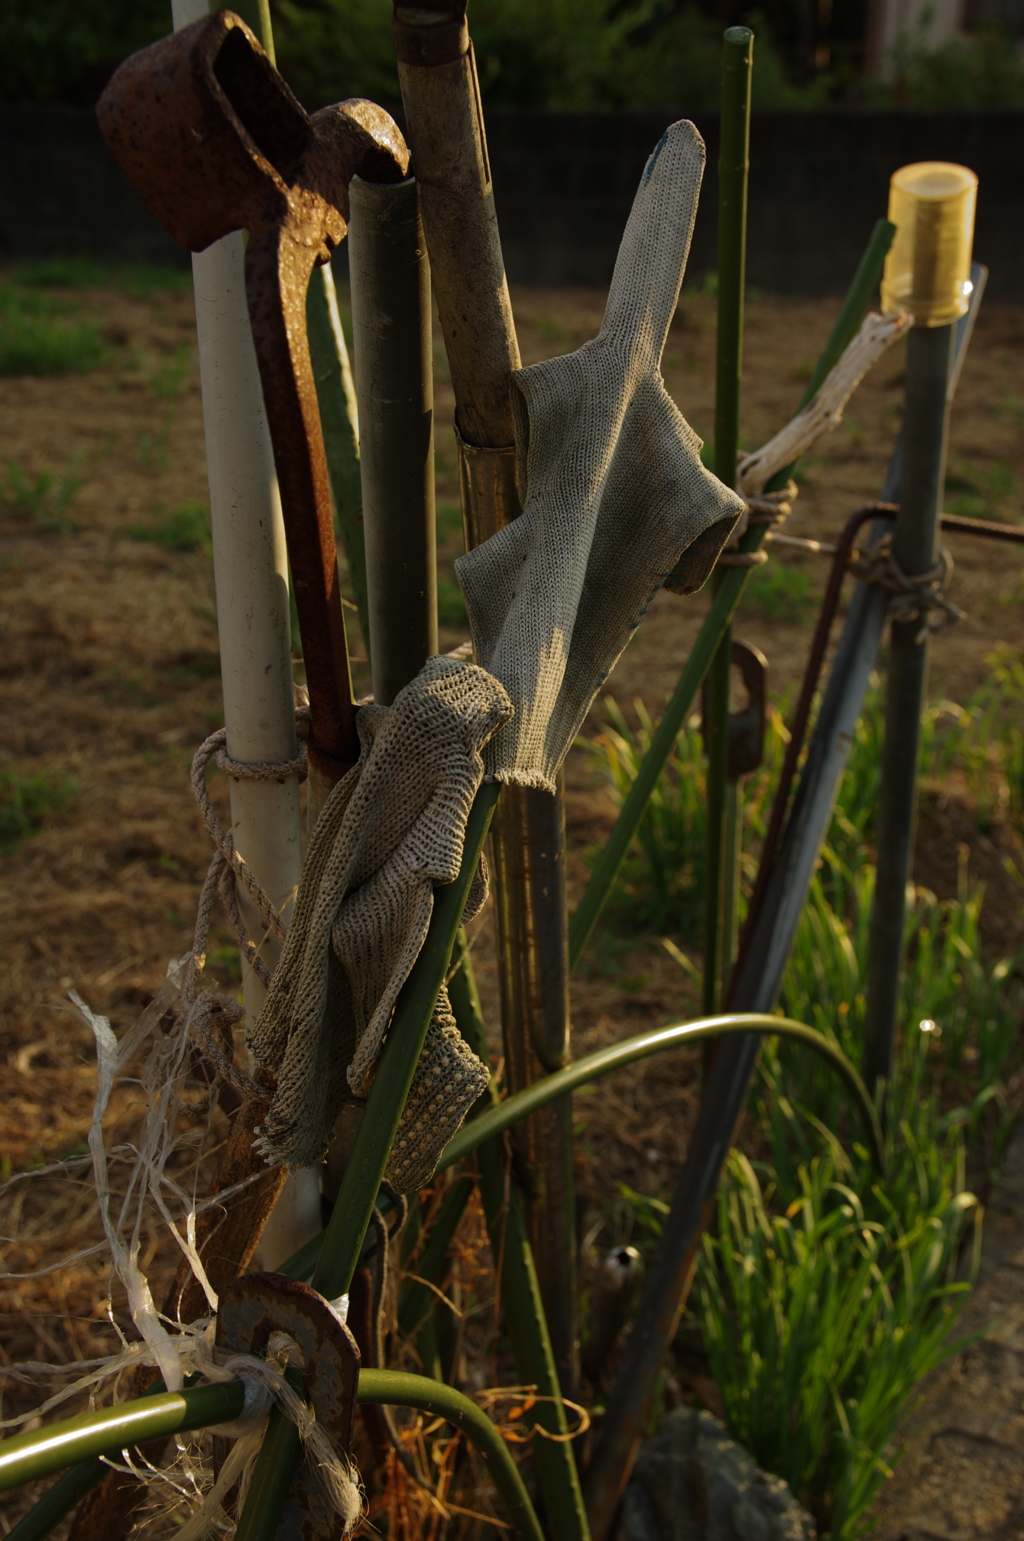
(109, 675)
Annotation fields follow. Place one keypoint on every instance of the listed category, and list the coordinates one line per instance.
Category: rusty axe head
(210, 135)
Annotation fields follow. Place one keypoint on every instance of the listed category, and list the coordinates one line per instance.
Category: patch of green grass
(778, 592)
(987, 491)
(26, 800)
(451, 607)
(821, 1316)
(36, 339)
(826, 1291)
(142, 279)
(44, 497)
(660, 885)
(185, 528)
(60, 273)
(170, 374)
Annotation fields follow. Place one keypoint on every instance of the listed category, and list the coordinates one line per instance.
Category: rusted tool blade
(250, 1311)
(213, 139)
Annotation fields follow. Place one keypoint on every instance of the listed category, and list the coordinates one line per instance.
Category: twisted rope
(915, 596)
(207, 1010)
(768, 508)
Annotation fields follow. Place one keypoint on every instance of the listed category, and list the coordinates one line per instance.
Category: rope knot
(767, 508)
(914, 596)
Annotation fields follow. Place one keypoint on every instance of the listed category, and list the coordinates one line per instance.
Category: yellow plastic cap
(928, 269)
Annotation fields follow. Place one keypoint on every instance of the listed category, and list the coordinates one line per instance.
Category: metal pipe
(914, 547)
(391, 342)
(769, 942)
(733, 175)
(250, 565)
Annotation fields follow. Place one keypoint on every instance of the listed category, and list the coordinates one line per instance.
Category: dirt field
(109, 676)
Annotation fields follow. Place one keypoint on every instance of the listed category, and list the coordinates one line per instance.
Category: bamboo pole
(519, 1287)
(446, 135)
(733, 174)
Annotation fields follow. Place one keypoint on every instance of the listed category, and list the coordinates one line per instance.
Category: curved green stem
(593, 1066)
(30, 1456)
(394, 1388)
(27, 1457)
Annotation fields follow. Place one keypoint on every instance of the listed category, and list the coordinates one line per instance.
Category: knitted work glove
(390, 831)
(615, 492)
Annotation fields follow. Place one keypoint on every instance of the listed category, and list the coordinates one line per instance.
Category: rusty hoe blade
(213, 139)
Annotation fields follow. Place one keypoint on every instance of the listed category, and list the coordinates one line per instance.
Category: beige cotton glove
(390, 831)
(615, 492)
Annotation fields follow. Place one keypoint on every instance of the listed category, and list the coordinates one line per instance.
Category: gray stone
(691, 1482)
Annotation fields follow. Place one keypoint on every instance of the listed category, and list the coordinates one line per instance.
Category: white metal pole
(251, 577)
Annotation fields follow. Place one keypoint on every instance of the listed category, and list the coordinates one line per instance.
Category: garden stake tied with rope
(386, 896)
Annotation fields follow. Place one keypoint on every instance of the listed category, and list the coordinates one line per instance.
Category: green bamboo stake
(267, 31)
(733, 172)
(343, 1238)
(718, 618)
(417, 1300)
